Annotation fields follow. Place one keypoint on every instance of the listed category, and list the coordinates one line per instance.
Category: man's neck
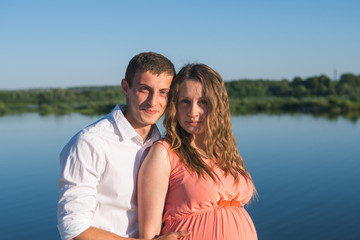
(143, 132)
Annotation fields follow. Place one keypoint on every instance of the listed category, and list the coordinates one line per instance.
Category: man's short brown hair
(148, 61)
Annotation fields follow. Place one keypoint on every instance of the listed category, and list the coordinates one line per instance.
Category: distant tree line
(318, 94)
(87, 100)
(318, 86)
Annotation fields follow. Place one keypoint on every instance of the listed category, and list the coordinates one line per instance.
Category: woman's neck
(199, 144)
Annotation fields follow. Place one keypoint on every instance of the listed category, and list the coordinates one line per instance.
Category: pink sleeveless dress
(212, 211)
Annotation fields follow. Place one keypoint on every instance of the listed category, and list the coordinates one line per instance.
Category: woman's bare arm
(153, 181)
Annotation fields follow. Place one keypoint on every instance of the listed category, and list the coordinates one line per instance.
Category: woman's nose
(193, 111)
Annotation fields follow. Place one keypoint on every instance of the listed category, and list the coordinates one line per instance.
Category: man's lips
(151, 112)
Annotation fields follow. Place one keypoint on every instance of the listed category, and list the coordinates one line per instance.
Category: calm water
(305, 170)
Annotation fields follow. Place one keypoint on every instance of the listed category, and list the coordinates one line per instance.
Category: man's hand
(174, 235)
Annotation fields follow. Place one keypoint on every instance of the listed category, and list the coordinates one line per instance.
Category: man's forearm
(96, 234)
(93, 233)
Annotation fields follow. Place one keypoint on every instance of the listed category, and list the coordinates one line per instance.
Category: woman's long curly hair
(219, 139)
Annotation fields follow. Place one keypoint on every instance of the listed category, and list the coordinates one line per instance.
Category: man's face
(146, 98)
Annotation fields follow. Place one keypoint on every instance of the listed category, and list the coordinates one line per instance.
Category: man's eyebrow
(144, 85)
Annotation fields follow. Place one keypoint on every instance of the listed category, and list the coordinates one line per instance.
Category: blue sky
(67, 43)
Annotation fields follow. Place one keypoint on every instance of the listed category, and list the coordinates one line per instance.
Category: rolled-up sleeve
(82, 165)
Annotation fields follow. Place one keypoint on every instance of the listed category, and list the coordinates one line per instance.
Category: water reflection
(305, 169)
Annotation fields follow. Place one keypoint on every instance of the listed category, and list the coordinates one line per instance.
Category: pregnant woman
(195, 179)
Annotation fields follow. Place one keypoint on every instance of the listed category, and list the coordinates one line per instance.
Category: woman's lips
(193, 123)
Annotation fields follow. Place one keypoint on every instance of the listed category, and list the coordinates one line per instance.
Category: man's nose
(152, 98)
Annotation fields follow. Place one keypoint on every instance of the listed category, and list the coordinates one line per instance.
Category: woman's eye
(203, 102)
(184, 101)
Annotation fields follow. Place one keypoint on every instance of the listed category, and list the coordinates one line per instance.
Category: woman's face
(192, 107)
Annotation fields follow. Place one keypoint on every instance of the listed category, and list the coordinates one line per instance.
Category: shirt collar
(127, 131)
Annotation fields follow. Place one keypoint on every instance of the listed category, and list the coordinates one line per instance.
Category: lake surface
(306, 171)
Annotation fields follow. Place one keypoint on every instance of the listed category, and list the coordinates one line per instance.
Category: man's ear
(125, 86)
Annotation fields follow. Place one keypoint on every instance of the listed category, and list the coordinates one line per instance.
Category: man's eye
(143, 89)
(164, 93)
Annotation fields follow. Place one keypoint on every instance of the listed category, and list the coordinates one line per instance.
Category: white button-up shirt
(97, 185)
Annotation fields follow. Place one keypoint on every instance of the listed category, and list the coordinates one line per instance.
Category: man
(99, 165)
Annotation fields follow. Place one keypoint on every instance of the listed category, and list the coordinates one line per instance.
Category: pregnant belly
(215, 223)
